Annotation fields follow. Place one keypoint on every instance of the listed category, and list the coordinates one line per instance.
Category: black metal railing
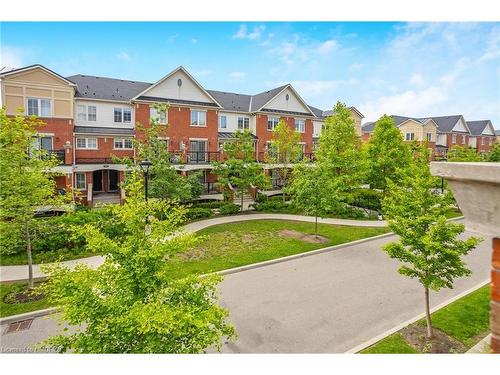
(265, 157)
(95, 161)
(194, 157)
(59, 154)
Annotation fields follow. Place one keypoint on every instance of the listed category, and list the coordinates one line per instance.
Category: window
(198, 118)
(127, 115)
(39, 107)
(118, 114)
(243, 123)
(429, 137)
(410, 136)
(123, 115)
(123, 143)
(272, 122)
(87, 113)
(86, 143)
(222, 122)
(453, 138)
(482, 140)
(158, 116)
(300, 125)
(42, 143)
(80, 180)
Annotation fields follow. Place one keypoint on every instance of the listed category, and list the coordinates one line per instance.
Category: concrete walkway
(10, 274)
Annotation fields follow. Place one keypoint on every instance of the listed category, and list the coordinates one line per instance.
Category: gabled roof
(181, 68)
(31, 67)
(368, 127)
(331, 112)
(260, 100)
(477, 127)
(93, 87)
(317, 112)
(446, 123)
(398, 121)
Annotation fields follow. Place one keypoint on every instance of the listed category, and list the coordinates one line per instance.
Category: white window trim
(87, 143)
(123, 142)
(122, 117)
(295, 123)
(198, 118)
(274, 123)
(39, 99)
(238, 123)
(412, 137)
(220, 116)
(453, 138)
(428, 136)
(86, 112)
(85, 180)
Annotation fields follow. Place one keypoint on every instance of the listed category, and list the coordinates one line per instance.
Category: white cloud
(314, 88)
(237, 75)
(124, 56)
(194, 40)
(493, 49)
(244, 33)
(11, 57)
(327, 46)
(417, 79)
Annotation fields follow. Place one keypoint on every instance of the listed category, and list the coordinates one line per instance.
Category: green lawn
(466, 320)
(7, 309)
(236, 244)
(393, 344)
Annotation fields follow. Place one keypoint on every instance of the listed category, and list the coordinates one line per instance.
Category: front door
(113, 180)
(97, 181)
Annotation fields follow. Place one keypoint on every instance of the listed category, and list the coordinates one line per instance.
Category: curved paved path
(20, 273)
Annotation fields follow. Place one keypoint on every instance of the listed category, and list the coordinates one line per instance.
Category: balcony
(95, 161)
(59, 155)
(194, 157)
(307, 156)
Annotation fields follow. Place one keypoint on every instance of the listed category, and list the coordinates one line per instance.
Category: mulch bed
(22, 296)
(416, 335)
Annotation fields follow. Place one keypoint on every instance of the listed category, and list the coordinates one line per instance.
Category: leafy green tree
(386, 153)
(240, 169)
(26, 181)
(284, 151)
(494, 154)
(313, 192)
(463, 153)
(165, 182)
(130, 304)
(429, 247)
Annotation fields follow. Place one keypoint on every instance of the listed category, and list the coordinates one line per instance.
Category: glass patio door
(197, 151)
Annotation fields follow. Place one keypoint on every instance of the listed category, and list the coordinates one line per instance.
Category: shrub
(195, 213)
(275, 205)
(211, 204)
(366, 198)
(229, 209)
(260, 197)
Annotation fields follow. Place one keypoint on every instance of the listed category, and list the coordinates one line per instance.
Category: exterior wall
(104, 114)
(169, 89)
(105, 149)
(16, 88)
(317, 128)
(488, 142)
(179, 130)
(292, 104)
(462, 140)
(357, 121)
(232, 121)
(61, 131)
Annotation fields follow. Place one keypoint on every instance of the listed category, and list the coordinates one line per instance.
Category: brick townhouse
(89, 120)
(442, 132)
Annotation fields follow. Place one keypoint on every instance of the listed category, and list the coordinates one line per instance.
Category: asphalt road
(324, 303)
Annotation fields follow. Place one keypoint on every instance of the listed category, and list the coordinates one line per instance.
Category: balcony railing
(194, 157)
(264, 158)
(95, 161)
(59, 154)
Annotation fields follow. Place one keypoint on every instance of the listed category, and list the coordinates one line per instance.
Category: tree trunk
(27, 237)
(428, 314)
(316, 226)
(242, 193)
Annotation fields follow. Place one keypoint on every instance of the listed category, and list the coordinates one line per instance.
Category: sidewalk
(20, 273)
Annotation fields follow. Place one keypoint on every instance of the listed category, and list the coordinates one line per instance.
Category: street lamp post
(145, 164)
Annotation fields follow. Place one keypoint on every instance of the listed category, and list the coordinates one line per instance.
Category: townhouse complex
(442, 132)
(90, 120)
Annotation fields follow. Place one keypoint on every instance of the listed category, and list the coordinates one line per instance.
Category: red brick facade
(63, 135)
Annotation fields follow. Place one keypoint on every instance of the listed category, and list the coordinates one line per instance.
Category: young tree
(313, 191)
(429, 247)
(165, 182)
(284, 151)
(386, 153)
(130, 304)
(240, 168)
(26, 181)
(463, 153)
(494, 154)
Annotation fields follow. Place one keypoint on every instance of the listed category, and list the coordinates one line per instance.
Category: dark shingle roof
(477, 127)
(101, 130)
(497, 132)
(368, 127)
(232, 101)
(107, 88)
(229, 135)
(317, 112)
(445, 123)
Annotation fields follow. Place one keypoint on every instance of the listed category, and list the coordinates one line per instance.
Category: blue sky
(413, 69)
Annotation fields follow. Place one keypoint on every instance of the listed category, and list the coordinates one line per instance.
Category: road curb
(301, 255)
(28, 315)
(389, 332)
